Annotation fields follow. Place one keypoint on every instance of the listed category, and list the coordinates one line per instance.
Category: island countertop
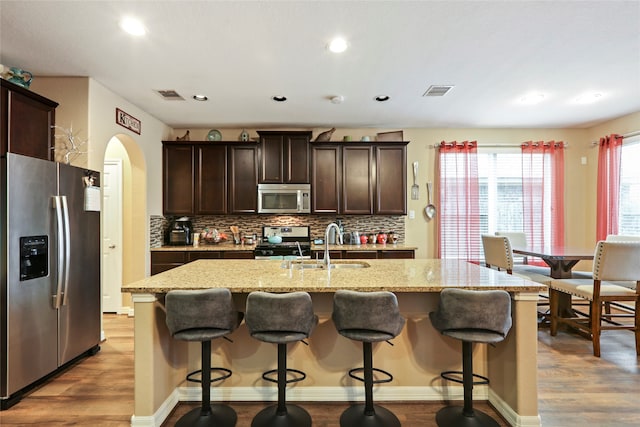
(395, 275)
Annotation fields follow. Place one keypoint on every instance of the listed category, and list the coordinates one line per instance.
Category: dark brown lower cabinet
(166, 260)
(371, 254)
(399, 254)
(163, 261)
(360, 255)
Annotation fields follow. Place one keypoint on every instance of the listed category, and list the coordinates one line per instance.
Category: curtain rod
(566, 145)
(625, 136)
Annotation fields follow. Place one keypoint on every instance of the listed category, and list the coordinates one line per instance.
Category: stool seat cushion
(280, 318)
(201, 334)
(367, 316)
(201, 315)
(476, 316)
(366, 335)
(475, 335)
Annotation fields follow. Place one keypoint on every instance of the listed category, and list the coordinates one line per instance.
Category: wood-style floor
(575, 388)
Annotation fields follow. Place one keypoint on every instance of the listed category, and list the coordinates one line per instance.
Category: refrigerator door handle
(67, 248)
(57, 205)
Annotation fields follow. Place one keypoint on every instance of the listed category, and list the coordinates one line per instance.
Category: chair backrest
(375, 311)
(622, 238)
(286, 312)
(497, 252)
(516, 238)
(617, 261)
(200, 309)
(468, 310)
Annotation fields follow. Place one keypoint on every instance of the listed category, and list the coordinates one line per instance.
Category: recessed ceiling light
(279, 98)
(132, 26)
(338, 45)
(382, 98)
(588, 98)
(532, 98)
(200, 97)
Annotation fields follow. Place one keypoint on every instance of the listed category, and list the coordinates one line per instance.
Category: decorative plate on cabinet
(214, 135)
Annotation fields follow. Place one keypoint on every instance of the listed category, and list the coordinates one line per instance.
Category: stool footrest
(352, 374)
(301, 375)
(449, 375)
(226, 373)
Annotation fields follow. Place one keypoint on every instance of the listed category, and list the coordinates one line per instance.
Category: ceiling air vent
(170, 95)
(440, 90)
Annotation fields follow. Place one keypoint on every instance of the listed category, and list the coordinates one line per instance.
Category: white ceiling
(241, 53)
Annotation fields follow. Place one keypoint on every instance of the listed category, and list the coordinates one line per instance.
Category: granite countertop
(395, 275)
(228, 246)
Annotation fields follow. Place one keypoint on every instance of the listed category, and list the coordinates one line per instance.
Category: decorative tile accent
(157, 228)
(250, 224)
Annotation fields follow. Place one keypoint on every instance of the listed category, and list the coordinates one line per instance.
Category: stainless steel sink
(319, 266)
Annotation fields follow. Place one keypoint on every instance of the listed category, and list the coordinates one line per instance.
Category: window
(501, 196)
(629, 213)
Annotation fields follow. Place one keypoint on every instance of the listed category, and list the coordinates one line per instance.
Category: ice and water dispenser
(34, 257)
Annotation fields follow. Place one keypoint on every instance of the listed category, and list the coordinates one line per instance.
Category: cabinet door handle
(112, 246)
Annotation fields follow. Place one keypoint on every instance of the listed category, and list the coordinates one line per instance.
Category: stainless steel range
(296, 242)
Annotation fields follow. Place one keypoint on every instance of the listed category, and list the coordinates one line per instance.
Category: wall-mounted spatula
(415, 190)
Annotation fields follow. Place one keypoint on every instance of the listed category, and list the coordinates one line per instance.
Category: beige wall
(72, 94)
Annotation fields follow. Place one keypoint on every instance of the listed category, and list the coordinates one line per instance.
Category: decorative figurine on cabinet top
(325, 136)
(244, 135)
(184, 137)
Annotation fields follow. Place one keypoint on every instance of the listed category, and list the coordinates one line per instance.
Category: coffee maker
(179, 233)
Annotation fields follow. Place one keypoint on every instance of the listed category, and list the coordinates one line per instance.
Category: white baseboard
(510, 415)
(332, 394)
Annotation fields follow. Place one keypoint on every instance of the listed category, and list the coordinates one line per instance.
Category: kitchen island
(418, 356)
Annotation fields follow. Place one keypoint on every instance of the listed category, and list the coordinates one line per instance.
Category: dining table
(560, 259)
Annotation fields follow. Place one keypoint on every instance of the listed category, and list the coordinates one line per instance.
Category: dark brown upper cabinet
(284, 157)
(178, 177)
(243, 179)
(27, 122)
(209, 178)
(325, 178)
(391, 180)
(359, 178)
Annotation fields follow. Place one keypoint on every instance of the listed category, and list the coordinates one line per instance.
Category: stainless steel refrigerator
(50, 295)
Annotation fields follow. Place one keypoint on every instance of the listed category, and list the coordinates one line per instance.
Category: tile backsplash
(250, 224)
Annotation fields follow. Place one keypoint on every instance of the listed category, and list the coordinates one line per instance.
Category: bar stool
(202, 315)
(368, 317)
(281, 319)
(470, 316)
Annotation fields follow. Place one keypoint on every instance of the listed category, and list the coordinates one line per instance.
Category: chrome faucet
(327, 261)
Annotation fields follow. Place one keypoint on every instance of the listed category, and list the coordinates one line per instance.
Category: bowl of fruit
(212, 237)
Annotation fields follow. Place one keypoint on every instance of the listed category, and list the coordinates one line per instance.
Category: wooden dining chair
(498, 254)
(578, 274)
(613, 262)
(517, 239)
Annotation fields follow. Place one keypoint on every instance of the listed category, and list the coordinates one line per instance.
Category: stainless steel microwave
(284, 198)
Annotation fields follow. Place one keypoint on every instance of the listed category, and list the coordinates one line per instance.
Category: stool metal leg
(282, 414)
(368, 415)
(208, 415)
(466, 416)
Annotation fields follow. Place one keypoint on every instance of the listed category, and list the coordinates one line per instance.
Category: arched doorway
(124, 224)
